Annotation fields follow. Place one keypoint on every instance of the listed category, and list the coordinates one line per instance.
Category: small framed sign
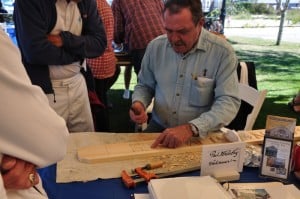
(277, 147)
(276, 158)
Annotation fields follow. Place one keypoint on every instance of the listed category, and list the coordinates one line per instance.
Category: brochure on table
(273, 190)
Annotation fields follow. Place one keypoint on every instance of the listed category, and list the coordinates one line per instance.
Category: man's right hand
(137, 113)
(18, 174)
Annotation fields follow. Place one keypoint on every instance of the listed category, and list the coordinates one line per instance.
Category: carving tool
(139, 127)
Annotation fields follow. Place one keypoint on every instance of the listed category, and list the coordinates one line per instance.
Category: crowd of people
(189, 72)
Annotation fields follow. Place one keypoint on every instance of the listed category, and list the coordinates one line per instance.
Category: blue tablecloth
(114, 188)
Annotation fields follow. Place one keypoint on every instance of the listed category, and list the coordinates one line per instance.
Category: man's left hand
(174, 137)
(55, 40)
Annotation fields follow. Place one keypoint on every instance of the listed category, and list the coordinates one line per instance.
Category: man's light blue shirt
(200, 87)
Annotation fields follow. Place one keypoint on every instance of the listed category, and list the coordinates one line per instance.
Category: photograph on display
(277, 147)
(276, 158)
(280, 127)
(261, 190)
(250, 194)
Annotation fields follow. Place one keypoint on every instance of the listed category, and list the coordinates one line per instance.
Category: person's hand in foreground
(18, 174)
(137, 113)
(174, 137)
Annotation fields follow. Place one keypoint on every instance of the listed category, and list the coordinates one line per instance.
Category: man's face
(181, 31)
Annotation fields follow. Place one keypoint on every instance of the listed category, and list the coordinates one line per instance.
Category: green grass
(277, 70)
(119, 114)
(119, 85)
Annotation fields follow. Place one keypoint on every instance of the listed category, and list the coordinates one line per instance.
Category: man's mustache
(178, 43)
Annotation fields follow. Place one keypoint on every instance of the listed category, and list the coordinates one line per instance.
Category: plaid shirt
(105, 65)
(137, 22)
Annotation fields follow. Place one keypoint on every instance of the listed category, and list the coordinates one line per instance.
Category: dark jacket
(34, 19)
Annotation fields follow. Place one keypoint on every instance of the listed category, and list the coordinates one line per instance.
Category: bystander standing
(55, 37)
(136, 24)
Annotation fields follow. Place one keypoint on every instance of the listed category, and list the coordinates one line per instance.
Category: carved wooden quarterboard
(128, 150)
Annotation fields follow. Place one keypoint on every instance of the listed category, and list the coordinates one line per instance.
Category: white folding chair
(253, 97)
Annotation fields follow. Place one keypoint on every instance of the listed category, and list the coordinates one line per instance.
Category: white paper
(203, 187)
(293, 191)
(141, 196)
(216, 157)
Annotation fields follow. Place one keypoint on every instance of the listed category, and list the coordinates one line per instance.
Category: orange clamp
(127, 180)
(145, 175)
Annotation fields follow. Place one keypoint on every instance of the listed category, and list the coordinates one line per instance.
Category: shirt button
(177, 94)
(181, 76)
(174, 112)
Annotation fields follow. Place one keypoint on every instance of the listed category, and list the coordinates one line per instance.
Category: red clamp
(144, 174)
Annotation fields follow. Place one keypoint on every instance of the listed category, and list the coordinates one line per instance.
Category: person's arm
(119, 25)
(32, 21)
(92, 42)
(145, 88)
(31, 129)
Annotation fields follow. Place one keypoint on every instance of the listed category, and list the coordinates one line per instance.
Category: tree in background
(282, 8)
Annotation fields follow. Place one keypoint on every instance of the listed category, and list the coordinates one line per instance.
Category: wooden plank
(129, 150)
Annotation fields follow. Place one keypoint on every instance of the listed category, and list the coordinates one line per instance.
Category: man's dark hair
(195, 6)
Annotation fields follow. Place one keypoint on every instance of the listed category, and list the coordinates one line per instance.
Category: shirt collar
(201, 44)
